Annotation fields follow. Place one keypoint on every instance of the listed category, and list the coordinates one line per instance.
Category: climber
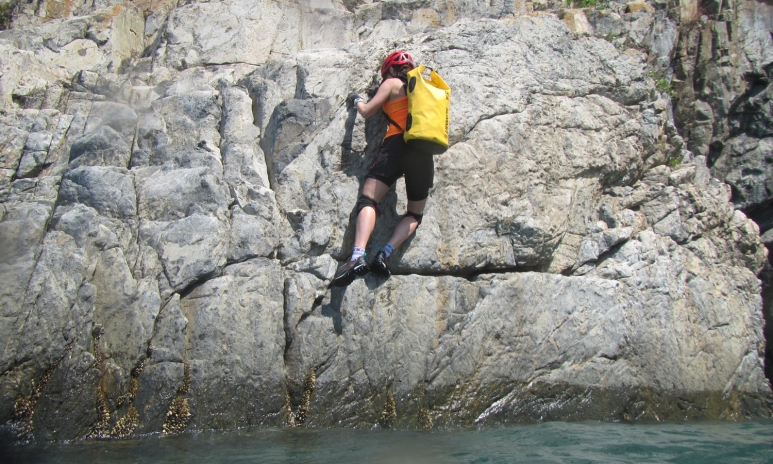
(393, 160)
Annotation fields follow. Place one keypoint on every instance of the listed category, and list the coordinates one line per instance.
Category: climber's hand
(355, 98)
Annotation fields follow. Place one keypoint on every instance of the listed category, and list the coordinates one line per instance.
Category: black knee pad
(364, 202)
(415, 216)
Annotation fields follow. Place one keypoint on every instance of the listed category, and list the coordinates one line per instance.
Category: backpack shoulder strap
(392, 121)
(404, 80)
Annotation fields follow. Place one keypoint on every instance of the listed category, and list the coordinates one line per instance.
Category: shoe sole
(343, 281)
(353, 273)
(361, 270)
(384, 272)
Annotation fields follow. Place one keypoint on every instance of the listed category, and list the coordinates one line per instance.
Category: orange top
(397, 110)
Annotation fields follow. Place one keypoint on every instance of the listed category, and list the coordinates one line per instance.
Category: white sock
(388, 249)
(356, 253)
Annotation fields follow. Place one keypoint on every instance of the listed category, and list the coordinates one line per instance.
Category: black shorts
(395, 159)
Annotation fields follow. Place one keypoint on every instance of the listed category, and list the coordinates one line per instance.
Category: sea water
(553, 442)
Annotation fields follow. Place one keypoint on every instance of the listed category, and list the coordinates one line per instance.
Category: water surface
(554, 442)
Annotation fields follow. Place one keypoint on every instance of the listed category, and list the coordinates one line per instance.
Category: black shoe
(349, 271)
(380, 264)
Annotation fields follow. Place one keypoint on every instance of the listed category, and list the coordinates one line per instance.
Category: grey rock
(13, 141)
(151, 140)
(268, 86)
(124, 307)
(70, 31)
(157, 387)
(682, 175)
(66, 408)
(598, 244)
(36, 331)
(31, 164)
(103, 147)
(22, 231)
(189, 249)
(767, 237)
(292, 126)
(109, 190)
(727, 115)
(322, 267)
(661, 42)
(168, 194)
(236, 321)
(671, 226)
(252, 235)
(119, 117)
(237, 123)
(747, 166)
(606, 24)
(311, 329)
(168, 341)
(245, 29)
(639, 27)
(589, 251)
(38, 141)
(407, 311)
(243, 159)
(245, 163)
(192, 117)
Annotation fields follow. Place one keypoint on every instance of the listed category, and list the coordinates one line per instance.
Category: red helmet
(397, 58)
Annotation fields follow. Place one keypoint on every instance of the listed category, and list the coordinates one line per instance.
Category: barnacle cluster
(96, 334)
(289, 410)
(308, 388)
(133, 385)
(126, 425)
(100, 428)
(24, 408)
(424, 419)
(390, 411)
(179, 413)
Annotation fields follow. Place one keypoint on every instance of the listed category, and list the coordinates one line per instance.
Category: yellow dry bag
(429, 111)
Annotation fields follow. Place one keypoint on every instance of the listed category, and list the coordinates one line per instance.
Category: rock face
(177, 193)
(724, 108)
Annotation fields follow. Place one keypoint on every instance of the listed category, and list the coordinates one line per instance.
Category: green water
(556, 442)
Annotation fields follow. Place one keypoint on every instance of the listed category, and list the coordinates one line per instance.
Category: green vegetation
(674, 161)
(597, 4)
(662, 84)
(619, 41)
(6, 13)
